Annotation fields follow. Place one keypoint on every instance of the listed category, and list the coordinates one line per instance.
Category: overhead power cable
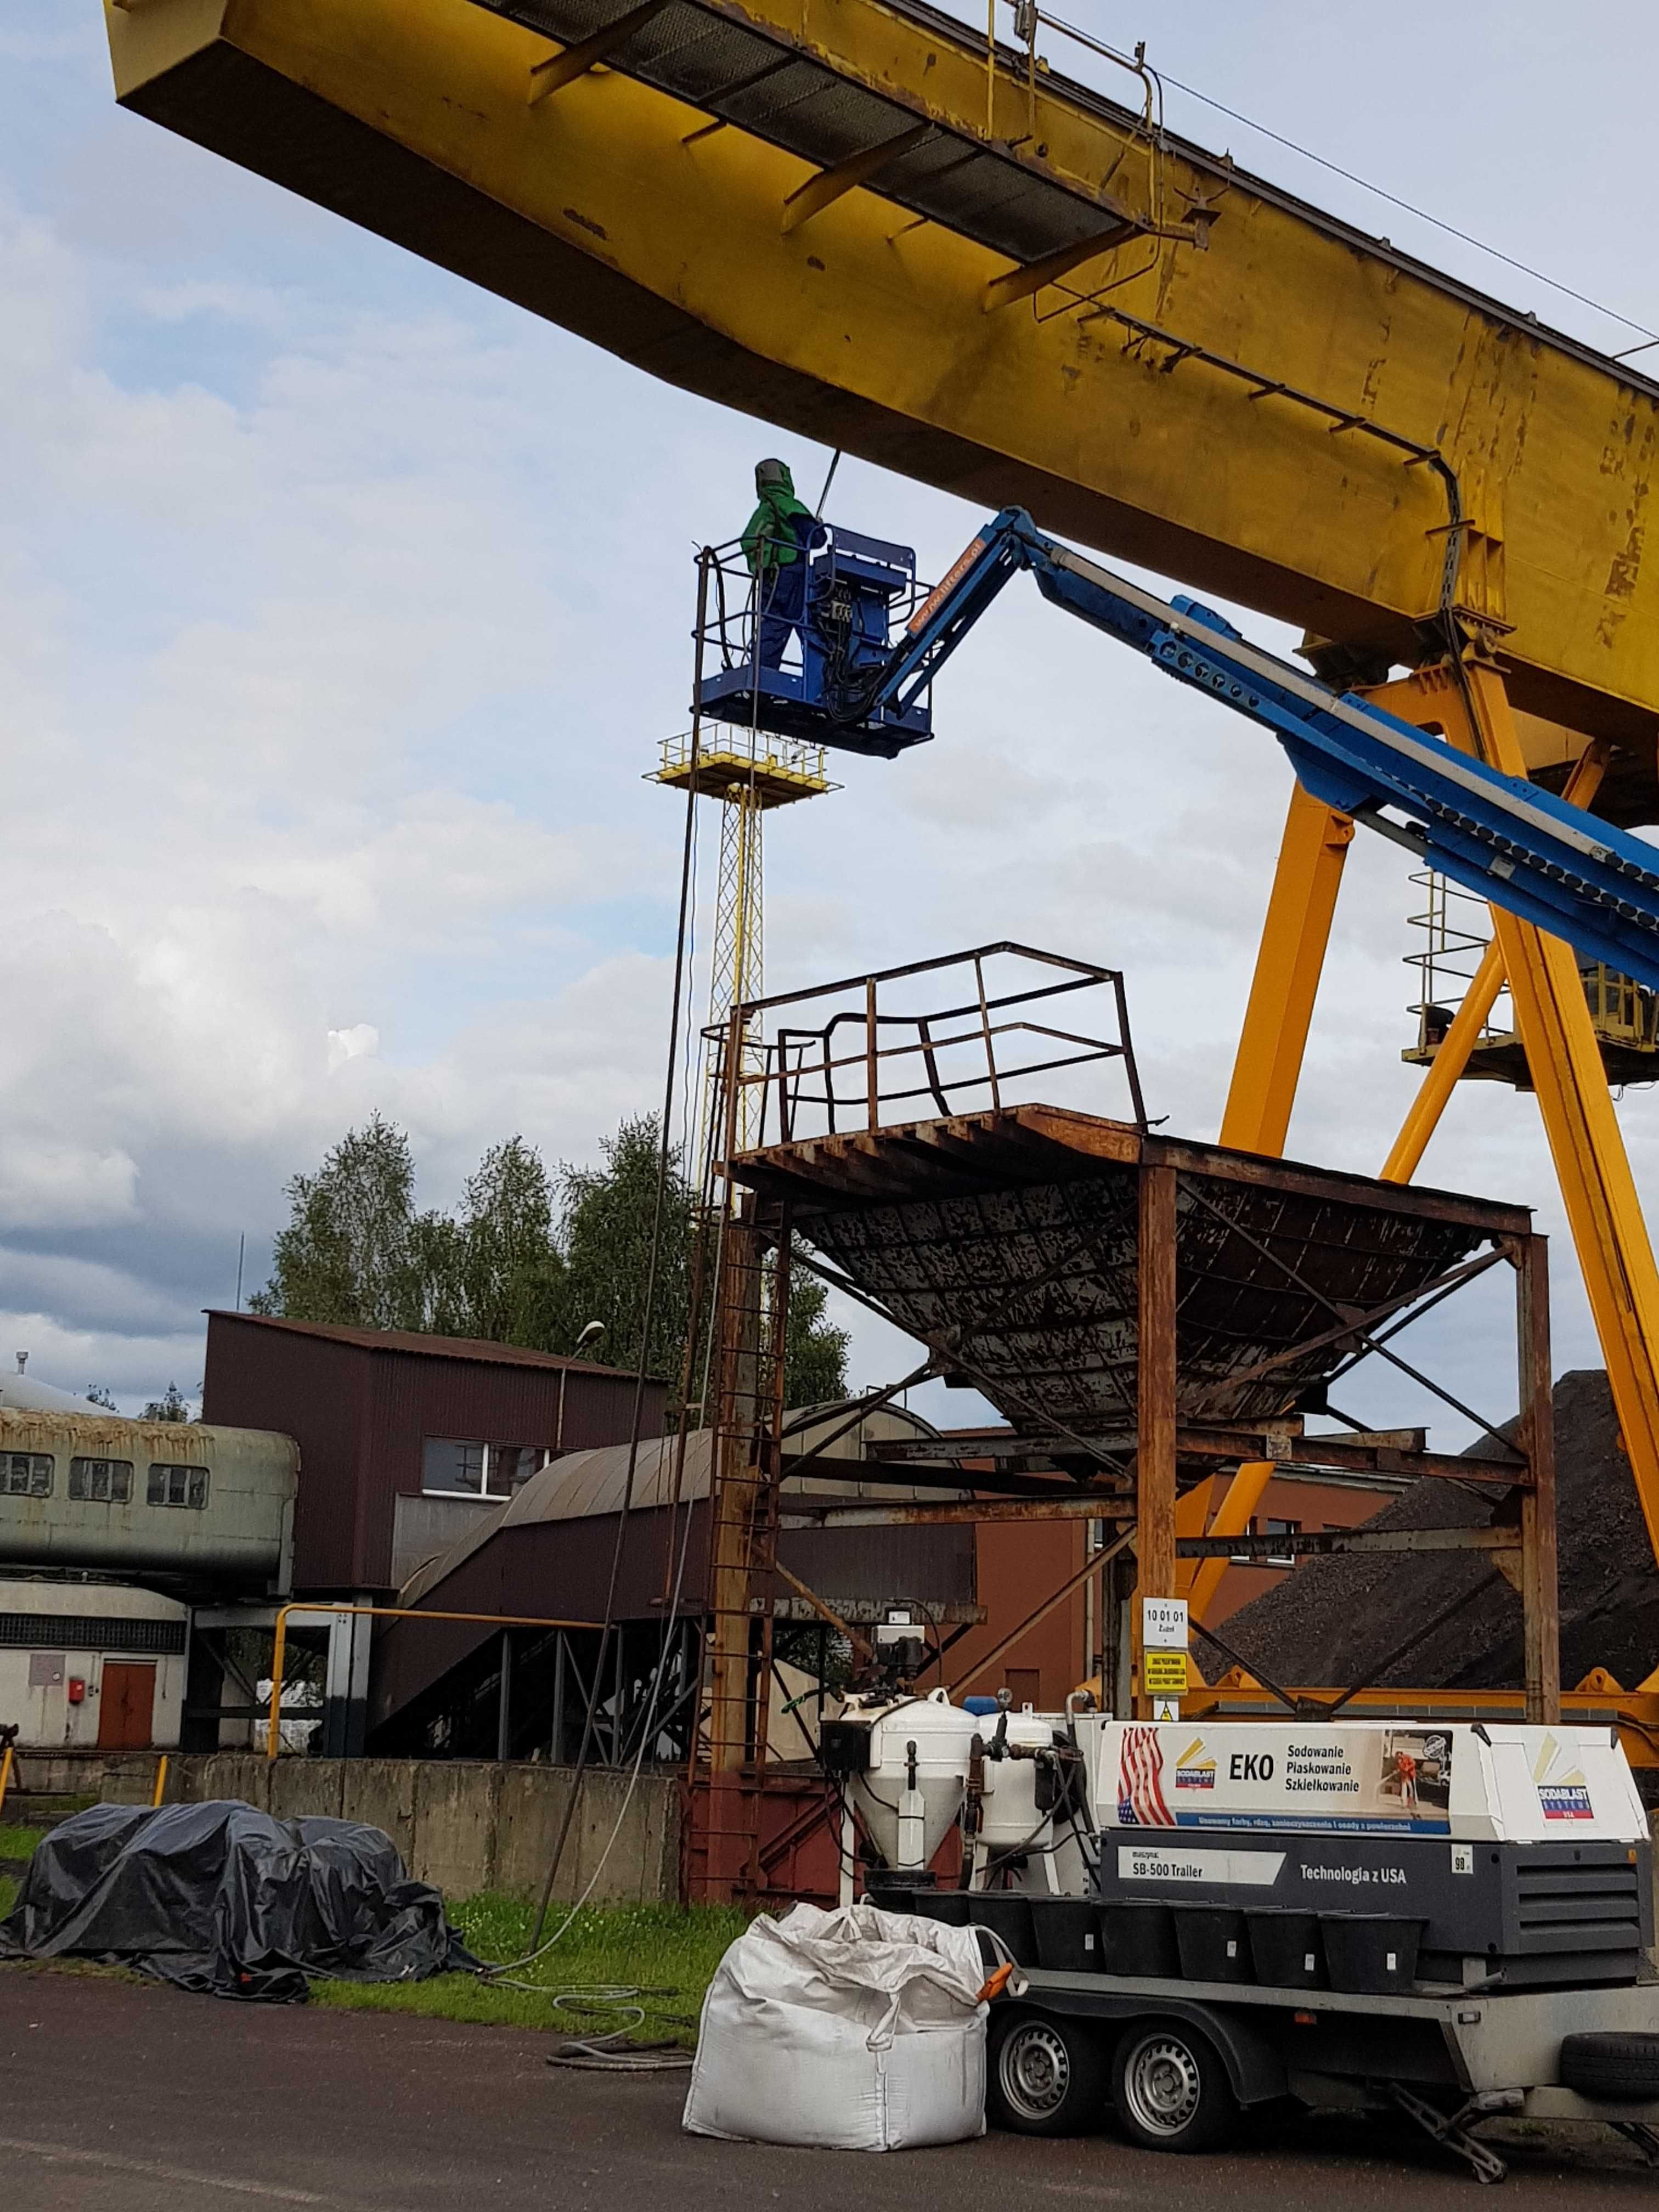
(1650, 337)
(1422, 214)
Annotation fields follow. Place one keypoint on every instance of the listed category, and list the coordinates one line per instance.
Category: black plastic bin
(1140, 1940)
(1285, 1949)
(1007, 1914)
(1371, 1953)
(950, 1905)
(893, 1897)
(1067, 1930)
(1213, 1943)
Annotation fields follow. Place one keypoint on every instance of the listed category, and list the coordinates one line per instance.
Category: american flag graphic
(1139, 1775)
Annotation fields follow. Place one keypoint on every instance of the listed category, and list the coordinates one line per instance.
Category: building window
(26, 1474)
(511, 1466)
(178, 1485)
(450, 1467)
(101, 1482)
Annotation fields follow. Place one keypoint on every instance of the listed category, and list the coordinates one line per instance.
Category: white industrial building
(92, 1666)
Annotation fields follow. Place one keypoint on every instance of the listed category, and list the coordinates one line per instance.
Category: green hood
(769, 540)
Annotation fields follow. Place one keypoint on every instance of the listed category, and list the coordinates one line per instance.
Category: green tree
(510, 1272)
(605, 1225)
(815, 1350)
(527, 1258)
(350, 1252)
(173, 1405)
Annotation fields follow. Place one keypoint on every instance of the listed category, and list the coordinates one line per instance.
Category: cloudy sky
(342, 608)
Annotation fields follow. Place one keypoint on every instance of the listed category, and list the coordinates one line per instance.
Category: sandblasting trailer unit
(1453, 1921)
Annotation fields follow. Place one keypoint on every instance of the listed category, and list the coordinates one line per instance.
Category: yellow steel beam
(1026, 282)
(1232, 1518)
(562, 69)
(866, 328)
(1287, 980)
(863, 168)
(1451, 1058)
(1564, 1061)
(1452, 1055)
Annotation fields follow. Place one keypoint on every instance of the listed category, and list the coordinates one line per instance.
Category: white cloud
(340, 610)
(360, 1042)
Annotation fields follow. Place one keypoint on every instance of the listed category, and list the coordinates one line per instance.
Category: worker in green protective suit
(775, 541)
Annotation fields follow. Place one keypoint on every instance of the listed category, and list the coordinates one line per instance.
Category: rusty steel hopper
(1007, 1240)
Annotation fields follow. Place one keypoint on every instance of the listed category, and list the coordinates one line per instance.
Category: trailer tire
(1047, 2073)
(1170, 2088)
(1623, 2069)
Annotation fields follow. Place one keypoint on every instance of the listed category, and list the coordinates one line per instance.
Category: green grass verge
(664, 1949)
(17, 1842)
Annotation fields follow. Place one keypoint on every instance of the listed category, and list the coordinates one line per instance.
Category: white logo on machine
(1195, 1769)
(1563, 1796)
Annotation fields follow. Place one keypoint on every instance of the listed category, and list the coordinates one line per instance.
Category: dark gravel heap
(1334, 1620)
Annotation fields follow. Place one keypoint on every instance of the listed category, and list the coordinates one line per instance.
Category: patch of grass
(17, 1842)
(667, 1950)
(8, 1894)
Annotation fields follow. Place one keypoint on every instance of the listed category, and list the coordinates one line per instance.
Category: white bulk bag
(851, 2030)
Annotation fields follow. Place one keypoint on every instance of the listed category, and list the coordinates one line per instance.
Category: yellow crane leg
(1287, 969)
(1471, 1018)
(1232, 1518)
(1268, 1064)
(1564, 1061)
(1444, 1070)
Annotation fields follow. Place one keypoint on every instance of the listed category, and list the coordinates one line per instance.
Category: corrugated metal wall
(360, 1415)
(313, 1391)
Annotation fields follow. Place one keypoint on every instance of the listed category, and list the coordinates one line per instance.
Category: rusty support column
(736, 1481)
(1540, 1595)
(1155, 1399)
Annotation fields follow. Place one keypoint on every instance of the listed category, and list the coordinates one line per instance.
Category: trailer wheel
(1047, 2076)
(1170, 2088)
(1621, 2068)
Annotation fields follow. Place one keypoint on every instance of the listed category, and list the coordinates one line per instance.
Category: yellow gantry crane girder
(856, 219)
(834, 215)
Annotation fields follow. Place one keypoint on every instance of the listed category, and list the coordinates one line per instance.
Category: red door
(126, 1704)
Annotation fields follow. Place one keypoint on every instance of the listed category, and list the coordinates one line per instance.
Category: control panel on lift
(803, 650)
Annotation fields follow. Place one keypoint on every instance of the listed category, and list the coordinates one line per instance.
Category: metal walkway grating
(760, 84)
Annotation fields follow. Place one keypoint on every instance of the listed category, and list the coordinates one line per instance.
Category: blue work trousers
(782, 605)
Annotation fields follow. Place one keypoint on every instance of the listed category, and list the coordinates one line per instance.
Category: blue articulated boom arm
(1520, 846)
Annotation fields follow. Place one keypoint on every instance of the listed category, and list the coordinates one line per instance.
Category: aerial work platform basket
(801, 650)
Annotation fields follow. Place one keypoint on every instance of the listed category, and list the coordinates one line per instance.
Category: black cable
(1406, 207)
(663, 1154)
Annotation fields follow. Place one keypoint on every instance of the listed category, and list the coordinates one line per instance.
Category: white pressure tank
(912, 1789)
(1009, 1818)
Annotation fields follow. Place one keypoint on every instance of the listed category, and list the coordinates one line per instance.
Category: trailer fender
(1254, 2068)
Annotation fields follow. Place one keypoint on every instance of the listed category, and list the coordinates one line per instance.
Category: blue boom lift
(1502, 837)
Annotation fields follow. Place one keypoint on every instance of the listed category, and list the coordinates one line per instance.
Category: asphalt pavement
(152, 2101)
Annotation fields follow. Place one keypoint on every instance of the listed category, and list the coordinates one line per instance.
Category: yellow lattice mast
(748, 773)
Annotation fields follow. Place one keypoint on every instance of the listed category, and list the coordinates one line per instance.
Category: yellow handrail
(273, 1727)
(155, 1794)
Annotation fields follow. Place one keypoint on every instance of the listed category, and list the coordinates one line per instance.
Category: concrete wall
(463, 1825)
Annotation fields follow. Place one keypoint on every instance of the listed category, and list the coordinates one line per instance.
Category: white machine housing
(1477, 1782)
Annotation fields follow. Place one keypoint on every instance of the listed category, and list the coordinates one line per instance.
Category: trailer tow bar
(1452, 2131)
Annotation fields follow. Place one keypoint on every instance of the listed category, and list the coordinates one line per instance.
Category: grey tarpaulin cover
(222, 1899)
